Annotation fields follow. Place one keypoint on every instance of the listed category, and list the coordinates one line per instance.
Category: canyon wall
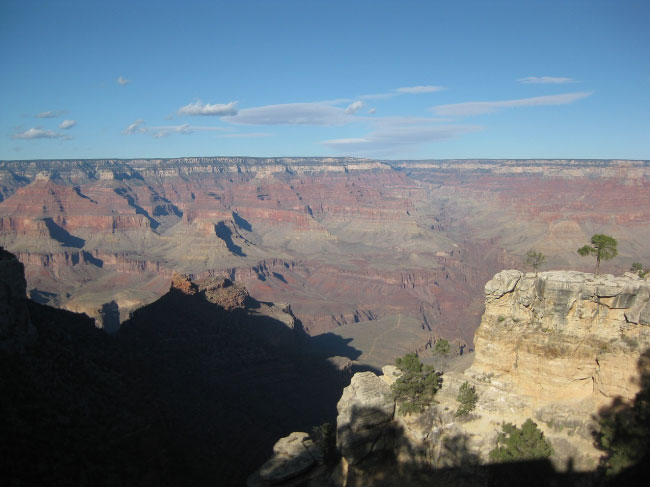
(343, 240)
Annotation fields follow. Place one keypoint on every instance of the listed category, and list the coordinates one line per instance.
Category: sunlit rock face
(564, 335)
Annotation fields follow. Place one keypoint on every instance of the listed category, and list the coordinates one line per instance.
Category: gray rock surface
(292, 456)
(366, 406)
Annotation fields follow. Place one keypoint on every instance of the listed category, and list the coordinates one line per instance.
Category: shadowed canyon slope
(193, 389)
(342, 240)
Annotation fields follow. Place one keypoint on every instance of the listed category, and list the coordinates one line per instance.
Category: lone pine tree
(602, 246)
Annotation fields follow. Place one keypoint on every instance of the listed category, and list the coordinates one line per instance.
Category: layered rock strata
(564, 336)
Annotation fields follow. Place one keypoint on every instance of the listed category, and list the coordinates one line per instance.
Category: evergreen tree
(535, 259)
(467, 397)
(525, 443)
(602, 246)
(414, 390)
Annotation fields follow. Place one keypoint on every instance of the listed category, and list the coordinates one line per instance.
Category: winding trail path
(374, 342)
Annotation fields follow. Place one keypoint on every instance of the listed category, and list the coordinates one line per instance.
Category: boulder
(292, 456)
(364, 412)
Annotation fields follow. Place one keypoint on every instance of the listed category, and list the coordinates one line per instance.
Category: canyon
(344, 241)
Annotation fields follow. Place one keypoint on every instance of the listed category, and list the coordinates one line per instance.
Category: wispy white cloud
(165, 130)
(416, 90)
(546, 80)
(121, 80)
(292, 114)
(481, 107)
(391, 139)
(372, 111)
(67, 124)
(199, 108)
(136, 127)
(50, 114)
(38, 133)
(139, 127)
(354, 107)
(410, 90)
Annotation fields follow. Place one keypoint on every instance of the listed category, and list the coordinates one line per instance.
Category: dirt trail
(372, 348)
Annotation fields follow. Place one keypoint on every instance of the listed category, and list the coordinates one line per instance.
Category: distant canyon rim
(343, 241)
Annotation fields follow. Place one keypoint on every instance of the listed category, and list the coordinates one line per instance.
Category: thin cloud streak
(398, 138)
(38, 133)
(200, 109)
(416, 90)
(50, 114)
(481, 107)
(139, 127)
(545, 80)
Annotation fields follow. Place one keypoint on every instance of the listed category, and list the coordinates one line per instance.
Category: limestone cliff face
(564, 336)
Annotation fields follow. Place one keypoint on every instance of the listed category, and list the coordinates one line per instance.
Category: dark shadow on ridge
(225, 234)
(138, 209)
(241, 223)
(62, 236)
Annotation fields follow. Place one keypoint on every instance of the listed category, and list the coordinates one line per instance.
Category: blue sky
(396, 80)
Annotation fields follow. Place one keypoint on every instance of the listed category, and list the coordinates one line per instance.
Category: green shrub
(415, 389)
(441, 347)
(525, 443)
(467, 397)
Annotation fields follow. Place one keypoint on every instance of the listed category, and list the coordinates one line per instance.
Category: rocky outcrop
(183, 284)
(293, 456)
(564, 335)
(364, 413)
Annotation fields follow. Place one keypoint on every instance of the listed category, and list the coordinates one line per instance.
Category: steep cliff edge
(557, 347)
(564, 336)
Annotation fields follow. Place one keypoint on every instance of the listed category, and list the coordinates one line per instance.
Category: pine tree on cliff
(535, 259)
(602, 246)
(416, 387)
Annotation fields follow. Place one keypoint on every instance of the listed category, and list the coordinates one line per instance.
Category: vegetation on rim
(415, 389)
(525, 443)
(467, 397)
(535, 259)
(602, 246)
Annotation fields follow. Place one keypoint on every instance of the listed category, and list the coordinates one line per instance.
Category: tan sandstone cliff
(564, 336)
